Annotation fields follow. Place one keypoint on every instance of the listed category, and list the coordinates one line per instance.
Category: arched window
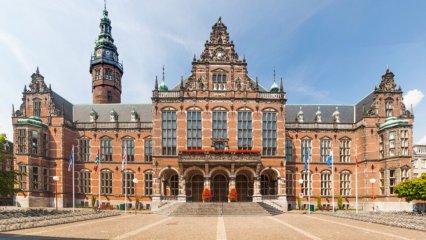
(148, 183)
(404, 174)
(127, 182)
(244, 130)
(129, 144)
(289, 150)
(106, 182)
(194, 135)
(37, 107)
(345, 183)
(345, 150)
(174, 185)
(325, 183)
(85, 181)
(169, 132)
(84, 149)
(306, 150)
(106, 149)
(269, 132)
(220, 123)
(148, 150)
(325, 148)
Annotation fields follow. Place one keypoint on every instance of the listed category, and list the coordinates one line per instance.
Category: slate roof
(59, 102)
(309, 110)
(363, 105)
(81, 112)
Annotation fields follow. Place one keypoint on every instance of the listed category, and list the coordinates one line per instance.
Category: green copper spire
(274, 87)
(163, 86)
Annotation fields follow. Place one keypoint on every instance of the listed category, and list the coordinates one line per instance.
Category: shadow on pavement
(18, 236)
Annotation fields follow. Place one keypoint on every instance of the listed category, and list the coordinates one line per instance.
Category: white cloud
(413, 97)
(422, 140)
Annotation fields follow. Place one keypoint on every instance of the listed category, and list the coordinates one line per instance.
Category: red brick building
(218, 129)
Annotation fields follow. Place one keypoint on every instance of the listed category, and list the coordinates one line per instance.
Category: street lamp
(372, 181)
(301, 182)
(56, 179)
(135, 180)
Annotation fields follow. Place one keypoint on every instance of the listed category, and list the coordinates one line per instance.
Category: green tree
(319, 205)
(8, 179)
(414, 189)
(299, 202)
(340, 202)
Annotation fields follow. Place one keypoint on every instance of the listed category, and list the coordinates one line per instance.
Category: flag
(97, 161)
(71, 161)
(329, 159)
(124, 161)
(306, 158)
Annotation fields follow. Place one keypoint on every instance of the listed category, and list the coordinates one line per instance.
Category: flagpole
(73, 181)
(356, 179)
(332, 176)
(125, 179)
(99, 181)
(309, 183)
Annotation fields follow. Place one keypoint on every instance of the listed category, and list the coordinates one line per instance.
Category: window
(219, 125)
(85, 186)
(345, 150)
(289, 183)
(97, 74)
(392, 181)
(391, 143)
(169, 133)
(345, 183)
(269, 133)
(307, 183)
(389, 108)
(244, 131)
(194, 130)
(148, 183)
(22, 141)
(219, 82)
(148, 150)
(325, 183)
(404, 142)
(381, 147)
(325, 148)
(130, 144)
(174, 185)
(106, 182)
(108, 74)
(404, 174)
(45, 179)
(127, 182)
(84, 149)
(106, 149)
(22, 178)
(109, 96)
(34, 142)
(37, 108)
(306, 150)
(45, 145)
(288, 150)
(382, 182)
(35, 179)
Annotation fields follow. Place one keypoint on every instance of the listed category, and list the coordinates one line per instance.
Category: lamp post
(372, 181)
(56, 179)
(135, 180)
(301, 182)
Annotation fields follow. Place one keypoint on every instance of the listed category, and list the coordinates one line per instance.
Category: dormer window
(389, 108)
(219, 82)
(108, 74)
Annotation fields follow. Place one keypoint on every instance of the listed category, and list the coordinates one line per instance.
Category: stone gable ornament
(318, 116)
(336, 115)
(113, 116)
(134, 115)
(93, 115)
(300, 116)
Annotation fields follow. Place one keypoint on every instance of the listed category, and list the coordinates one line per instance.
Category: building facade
(217, 129)
(419, 160)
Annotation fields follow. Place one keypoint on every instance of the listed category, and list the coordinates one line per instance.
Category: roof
(364, 105)
(309, 111)
(393, 122)
(82, 112)
(59, 102)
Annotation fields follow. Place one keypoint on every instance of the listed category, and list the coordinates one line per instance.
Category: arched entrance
(268, 183)
(197, 187)
(220, 188)
(244, 186)
(170, 183)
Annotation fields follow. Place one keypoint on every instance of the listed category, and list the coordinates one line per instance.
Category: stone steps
(218, 209)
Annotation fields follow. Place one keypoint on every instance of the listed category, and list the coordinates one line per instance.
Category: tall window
(269, 133)
(130, 144)
(34, 142)
(382, 182)
(404, 142)
(174, 185)
(381, 147)
(194, 130)
(404, 174)
(106, 182)
(35, 179)
(325, 148)
(307, 183)
(244, 131)
(22, 141)
(97, 74)
(289, 183)
(345, 150)
(127, 182)
(85, 186)
(46, 179)
(392, 181)
(345, 183)
(289, 150)
(325, 183)
(306, 149)
(22, 178)
(37, 108)
(108, 74)
(148, 150)
(219, 82)
(106, 149)
(84, 149)
(389, 108)
(169, 133)
(391, 143)
(45, 145)
(219, 125)
(148, 183)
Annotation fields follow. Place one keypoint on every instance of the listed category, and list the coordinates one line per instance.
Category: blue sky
(327, 51)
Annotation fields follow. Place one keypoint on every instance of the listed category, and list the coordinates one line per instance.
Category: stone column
(282, 197)
(156, 197)
(256, 189)
(182, 193)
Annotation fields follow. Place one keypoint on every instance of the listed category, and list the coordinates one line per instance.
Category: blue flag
(306, 159)
(329, 159)
(71, 162)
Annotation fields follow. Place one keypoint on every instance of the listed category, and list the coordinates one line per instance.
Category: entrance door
(220, 189)
(244, 189)
(197, 187)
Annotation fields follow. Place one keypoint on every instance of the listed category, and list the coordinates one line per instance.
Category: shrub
(319, 205)
(93, 201)
(207, 195)
(137, 201)
(233, 195)
(340, 202)
(299, 202)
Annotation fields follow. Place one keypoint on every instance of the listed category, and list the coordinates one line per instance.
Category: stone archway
(197, 187)
(244, 186)
(220, 188)
(269, 182)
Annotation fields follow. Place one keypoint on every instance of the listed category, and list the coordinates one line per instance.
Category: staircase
(270, 209)
(224, 209)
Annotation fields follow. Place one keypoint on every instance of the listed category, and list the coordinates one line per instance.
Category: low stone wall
(13, 219)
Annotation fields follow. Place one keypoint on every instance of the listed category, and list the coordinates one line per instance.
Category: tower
(105, 68)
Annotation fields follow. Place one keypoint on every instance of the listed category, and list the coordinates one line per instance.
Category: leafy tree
(8, 179)
(340, 202)
(299, 202)
(414, 189)
(319, 205)
(93, 201)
